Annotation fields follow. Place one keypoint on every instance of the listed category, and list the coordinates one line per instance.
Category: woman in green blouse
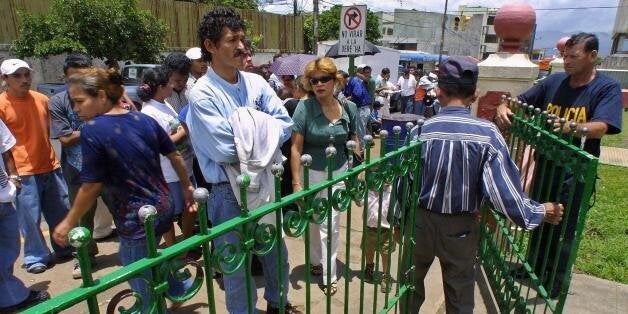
(319, 122)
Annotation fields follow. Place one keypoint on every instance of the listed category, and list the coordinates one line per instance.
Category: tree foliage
(329, 27)
(111, 29)
(236, 4)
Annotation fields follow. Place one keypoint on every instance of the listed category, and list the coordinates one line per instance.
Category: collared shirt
(357, 89)
(316, 129)
(212, 101)
(407, 86)
(465, 160)
(190, 83)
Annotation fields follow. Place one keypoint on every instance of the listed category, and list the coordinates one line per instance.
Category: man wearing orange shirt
(42, 189)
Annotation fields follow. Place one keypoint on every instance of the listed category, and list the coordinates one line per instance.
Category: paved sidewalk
(614, 156)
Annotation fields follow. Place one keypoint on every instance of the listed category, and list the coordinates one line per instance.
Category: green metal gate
(392, 168)
(530, 272)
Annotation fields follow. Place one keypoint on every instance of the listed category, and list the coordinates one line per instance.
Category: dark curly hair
(151, 80)
(212, 24)
(178, 62)
(77, 61)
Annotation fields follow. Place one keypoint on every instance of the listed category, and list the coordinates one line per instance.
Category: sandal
(316, 270)
(331, 289)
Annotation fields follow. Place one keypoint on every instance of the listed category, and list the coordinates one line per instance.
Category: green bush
(111, 29)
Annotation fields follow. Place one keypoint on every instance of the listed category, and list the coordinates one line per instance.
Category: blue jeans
(46, 194)
(134, 250)
(12, 289)
(222, 206)
(176, 191)
(419, 107)
(407, 104)
(363, 119)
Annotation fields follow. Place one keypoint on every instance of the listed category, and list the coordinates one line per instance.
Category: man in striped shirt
(464, 161)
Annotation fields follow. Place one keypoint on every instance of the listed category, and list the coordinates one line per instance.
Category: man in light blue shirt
(213, 100)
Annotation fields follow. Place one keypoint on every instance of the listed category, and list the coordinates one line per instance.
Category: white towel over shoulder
(257, 141)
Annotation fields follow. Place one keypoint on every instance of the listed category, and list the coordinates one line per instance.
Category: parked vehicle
(131, 76)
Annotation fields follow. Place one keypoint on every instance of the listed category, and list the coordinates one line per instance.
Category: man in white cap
(199, 66)
(43, 188)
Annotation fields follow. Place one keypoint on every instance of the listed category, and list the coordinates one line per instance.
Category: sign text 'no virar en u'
(352, 30)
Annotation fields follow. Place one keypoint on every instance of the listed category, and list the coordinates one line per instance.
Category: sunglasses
(322, 79)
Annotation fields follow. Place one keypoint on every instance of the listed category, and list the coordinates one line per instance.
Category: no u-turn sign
(352, 30)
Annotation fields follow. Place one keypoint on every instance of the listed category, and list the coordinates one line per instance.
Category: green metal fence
(530, 272)
(392, 168)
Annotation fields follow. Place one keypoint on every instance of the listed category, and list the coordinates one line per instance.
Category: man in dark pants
(453, 188)
(592, 100)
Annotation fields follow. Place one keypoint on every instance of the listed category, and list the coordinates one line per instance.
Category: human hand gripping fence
(530, 272)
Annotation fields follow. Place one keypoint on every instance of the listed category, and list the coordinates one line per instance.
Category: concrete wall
(621, 19)
(428, 35)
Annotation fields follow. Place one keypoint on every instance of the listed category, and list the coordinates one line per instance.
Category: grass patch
(604, 247)
(621, 139)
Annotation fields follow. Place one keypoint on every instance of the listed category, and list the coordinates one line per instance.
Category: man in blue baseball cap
(454, 187)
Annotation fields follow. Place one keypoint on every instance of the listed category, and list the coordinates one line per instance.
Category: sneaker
(290, 309)
(369, 272)
(519, 273)
(76, 272)
(34, 297)
(36, 268)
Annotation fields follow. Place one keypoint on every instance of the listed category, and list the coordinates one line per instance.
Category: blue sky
(568, 21)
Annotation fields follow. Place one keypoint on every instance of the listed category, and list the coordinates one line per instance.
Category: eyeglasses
(322, 79)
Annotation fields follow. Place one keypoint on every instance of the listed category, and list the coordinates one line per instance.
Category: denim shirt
(212, 101)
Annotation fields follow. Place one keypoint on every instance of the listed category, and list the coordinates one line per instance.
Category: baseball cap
(9, 66)
(362, 66)
(194, 53)
(458, 70)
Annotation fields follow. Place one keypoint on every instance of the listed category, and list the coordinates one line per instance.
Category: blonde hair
(324, 64)
(92, 80)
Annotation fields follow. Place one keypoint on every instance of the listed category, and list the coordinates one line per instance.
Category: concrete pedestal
(502, 73)
(558, 65)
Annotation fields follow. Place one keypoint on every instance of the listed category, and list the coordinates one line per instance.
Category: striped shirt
(464, 161)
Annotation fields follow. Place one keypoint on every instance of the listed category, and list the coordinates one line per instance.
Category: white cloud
(591, 20)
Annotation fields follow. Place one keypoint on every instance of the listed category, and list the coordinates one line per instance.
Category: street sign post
(352, 30)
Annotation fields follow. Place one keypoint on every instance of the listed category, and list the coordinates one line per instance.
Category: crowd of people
(210, 115)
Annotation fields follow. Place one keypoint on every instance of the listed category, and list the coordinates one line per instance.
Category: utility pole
(294, 7)
(442, 34)
(315, 29)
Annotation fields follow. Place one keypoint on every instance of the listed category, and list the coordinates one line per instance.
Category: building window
(491, 39)
(389, 31)
(490, 20)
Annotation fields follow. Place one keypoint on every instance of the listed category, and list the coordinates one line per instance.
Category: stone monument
(508, 71)
(558, 65)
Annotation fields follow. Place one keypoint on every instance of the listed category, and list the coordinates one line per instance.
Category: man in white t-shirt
(198, 68)
(407, 85)
(15, 295)
(383, 89)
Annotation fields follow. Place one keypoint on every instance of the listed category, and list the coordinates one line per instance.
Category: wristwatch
(16, 178)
